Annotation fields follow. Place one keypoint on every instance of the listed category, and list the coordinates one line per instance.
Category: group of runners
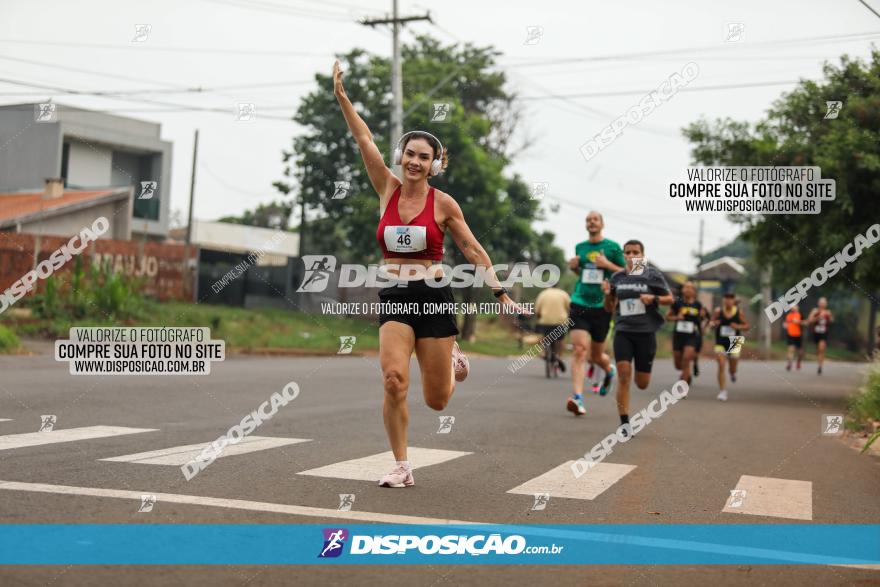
(617, 289)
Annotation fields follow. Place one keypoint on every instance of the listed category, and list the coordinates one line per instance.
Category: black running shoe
(561, 365)
(696, 368)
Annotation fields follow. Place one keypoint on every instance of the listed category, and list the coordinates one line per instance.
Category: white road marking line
(181, 455)
(778, 498)
(373, 467)
(561, 482)
(295, 510)
(238, 504)
(5, 420)
(11, 441)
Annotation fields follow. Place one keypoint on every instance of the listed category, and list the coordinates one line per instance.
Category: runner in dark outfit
(636, 297)
(686, 315)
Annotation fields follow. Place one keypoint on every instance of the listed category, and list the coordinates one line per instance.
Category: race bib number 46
(406, 239)
(631, 307)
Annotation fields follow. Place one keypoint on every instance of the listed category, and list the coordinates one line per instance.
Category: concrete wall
(32, 150)
(89, 166)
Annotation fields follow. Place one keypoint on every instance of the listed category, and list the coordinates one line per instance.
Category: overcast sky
(245, 49)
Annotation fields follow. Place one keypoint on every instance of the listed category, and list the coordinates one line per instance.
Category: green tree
(274, 215)
(795, 132)
(476, 132)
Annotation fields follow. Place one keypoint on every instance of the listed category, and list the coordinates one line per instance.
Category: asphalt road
(513, 426)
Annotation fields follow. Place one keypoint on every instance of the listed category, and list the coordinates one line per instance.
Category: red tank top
(420, 239)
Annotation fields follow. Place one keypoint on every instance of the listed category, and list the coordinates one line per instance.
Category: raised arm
(380, 176)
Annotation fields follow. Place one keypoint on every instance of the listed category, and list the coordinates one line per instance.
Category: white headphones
(436, 164)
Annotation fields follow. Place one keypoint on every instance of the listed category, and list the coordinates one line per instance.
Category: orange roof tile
(21, 204)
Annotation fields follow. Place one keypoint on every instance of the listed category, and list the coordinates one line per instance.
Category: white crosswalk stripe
(11, 441)
(180, 455)
(373, 467)
(561, 482)
(767, 496)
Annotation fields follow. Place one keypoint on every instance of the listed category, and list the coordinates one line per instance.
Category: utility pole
(192, 188)
(396, 22)
(766, 294)
(700, 263)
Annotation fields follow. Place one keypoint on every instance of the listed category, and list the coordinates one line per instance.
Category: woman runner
(414, 218)
(686, 315)
(636, 297)
(820, 319)
(728, 322)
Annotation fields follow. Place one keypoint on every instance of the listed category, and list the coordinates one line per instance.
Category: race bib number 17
(631, 307)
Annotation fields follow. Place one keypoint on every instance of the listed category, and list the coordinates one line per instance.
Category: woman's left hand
(512, 307)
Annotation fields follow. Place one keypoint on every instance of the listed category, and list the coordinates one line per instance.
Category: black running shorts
(638, 346)
(683, 339)
(416, 304)
(795, 340)
(596, 321)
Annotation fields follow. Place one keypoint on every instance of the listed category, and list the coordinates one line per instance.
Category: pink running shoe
(399, 477)
(460, 363)
(590, 371)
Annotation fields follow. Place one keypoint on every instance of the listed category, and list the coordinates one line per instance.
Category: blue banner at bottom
(379, 544)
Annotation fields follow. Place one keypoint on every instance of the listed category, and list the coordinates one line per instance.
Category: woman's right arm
(380, 176)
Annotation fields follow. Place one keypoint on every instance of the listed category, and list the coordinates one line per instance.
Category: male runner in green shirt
(596, 259)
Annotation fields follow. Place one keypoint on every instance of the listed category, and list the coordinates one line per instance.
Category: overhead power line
(710, 48)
